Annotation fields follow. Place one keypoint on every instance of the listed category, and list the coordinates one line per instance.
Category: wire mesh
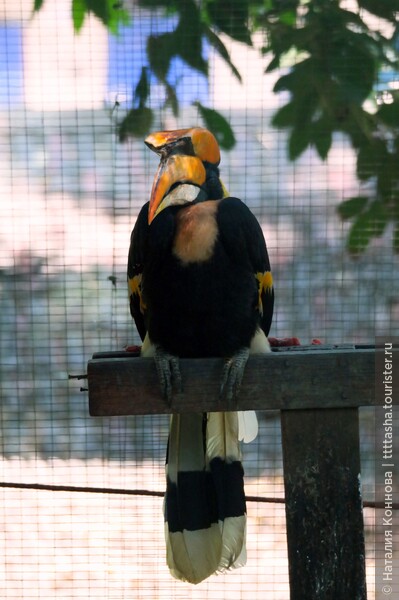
(69, 194)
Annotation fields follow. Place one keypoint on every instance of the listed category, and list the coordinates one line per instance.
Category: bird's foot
(168, 372)
(232, 375)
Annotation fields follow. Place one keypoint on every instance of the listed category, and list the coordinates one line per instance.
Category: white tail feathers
(247, 426)
(222, 442)
(205, 516)
(192, 555)
(204, 507)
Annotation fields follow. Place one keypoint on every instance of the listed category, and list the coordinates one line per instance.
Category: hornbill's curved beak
(183, 154)
(174, 169)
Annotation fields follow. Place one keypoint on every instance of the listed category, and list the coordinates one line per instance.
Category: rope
(138, 492)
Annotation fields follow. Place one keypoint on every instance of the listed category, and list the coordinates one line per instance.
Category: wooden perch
(303, 377)
(318, 391)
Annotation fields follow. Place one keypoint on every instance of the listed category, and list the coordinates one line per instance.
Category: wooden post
(323, 504)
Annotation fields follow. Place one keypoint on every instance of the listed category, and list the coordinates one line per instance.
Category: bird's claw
(232, 375)
(168, 370)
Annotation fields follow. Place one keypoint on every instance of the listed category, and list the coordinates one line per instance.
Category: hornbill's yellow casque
(200, 285)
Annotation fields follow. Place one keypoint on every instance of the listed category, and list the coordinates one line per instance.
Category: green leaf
(385, 9)
(388, 176)
(303, 81)
(300, 139)
(322, 142)
(38, 5)
(185, 41)
(285, 116)
(142, 88)
(137, 123)
(110, 12)
(389, 114)
(160, 51)
(101, 8)
(188, 36)
(370, 159)
(358, 124)
(219, 126)
(285, 82)
(322, 136)
(288, 17)
(217, 43)
(171, 98)
(280, 39)
(273, 64)
(371, 223)
(359, 235)
(352, 207)
(231, 17)
(353, 65)
(79, 9)
(378, 218)
(119, 16)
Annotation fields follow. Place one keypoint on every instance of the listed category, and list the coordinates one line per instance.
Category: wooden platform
(286, 379)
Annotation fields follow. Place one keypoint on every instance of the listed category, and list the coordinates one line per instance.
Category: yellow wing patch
(265, 286)
(225, 190)
(134, 284)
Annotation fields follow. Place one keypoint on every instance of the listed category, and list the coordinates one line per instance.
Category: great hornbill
(200, 286)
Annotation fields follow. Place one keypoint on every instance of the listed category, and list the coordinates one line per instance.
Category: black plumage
(207, 308)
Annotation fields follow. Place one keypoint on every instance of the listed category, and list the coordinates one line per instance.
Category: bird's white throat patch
(183, 193)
